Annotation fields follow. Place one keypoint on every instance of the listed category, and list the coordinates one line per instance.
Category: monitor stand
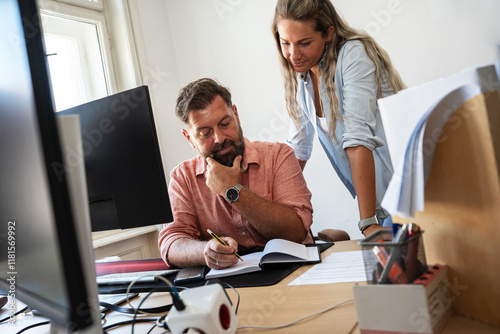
(104, 215)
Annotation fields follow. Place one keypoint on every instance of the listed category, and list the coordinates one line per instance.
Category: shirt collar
(250, 156)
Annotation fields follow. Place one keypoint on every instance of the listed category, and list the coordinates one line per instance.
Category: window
(76, 65)
(78, 49)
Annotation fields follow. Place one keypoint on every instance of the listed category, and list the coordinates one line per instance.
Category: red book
(105, 268)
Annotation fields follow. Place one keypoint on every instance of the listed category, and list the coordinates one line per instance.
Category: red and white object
(421, 307)
(208, 310)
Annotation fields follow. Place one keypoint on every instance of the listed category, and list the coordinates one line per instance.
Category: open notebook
(275, 251)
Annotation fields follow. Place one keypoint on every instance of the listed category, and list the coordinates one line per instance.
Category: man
(245, 192)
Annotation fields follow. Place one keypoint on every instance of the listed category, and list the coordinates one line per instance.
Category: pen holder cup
(388, 262)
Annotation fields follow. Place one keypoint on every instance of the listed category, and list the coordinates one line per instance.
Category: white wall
(230, 40)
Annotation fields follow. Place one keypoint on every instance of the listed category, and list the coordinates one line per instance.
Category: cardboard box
(421, 307)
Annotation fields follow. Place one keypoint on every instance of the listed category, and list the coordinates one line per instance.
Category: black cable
(176, 299)
(33, 326)
(135, 311)
(177, 302)
(151, 329)
(129, 310)
(128, 322)
(139, 307)
(161, 322)
(15, 314)
(107, 310)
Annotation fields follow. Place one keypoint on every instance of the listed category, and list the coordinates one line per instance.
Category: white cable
(298, 320)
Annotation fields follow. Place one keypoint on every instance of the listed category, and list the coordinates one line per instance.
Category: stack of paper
(413, 120)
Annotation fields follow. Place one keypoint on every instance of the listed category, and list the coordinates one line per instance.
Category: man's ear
(235, 110)
(188, 137)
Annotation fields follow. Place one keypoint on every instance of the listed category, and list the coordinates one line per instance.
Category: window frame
(62, 10)
(119, 41)
(91, 4)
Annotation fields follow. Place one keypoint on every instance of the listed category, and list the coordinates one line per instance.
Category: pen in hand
(222, 242)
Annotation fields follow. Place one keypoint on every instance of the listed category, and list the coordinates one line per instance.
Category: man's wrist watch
(365, 223)
(232, 194)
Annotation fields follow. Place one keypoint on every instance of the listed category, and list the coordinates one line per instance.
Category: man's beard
(227, 159)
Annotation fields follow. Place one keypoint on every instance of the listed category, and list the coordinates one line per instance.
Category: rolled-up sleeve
(185, 224)
(301, 139)
(359, 98)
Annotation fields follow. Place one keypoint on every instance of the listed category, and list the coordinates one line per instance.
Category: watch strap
(238, 188)
(364, 223)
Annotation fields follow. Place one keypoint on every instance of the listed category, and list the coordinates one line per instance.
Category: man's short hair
(198, 95)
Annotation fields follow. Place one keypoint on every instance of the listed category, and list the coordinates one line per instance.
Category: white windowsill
(104, 238)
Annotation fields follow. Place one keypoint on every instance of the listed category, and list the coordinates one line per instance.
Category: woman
(334, 75)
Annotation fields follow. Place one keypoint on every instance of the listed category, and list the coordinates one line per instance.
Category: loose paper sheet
(339, 267)
(413, 120)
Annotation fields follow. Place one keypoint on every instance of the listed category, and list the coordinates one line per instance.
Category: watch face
(232, 194)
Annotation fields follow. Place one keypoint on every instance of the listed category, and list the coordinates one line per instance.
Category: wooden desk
(280, 304)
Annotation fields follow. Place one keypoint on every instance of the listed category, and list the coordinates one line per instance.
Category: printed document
(339, 267)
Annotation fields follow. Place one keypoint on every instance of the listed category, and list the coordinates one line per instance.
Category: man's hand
(220, 178)
(218, 256)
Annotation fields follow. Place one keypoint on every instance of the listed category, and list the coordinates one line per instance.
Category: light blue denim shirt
(360, 122)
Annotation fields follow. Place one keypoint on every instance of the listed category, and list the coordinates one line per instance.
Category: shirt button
(244, 233)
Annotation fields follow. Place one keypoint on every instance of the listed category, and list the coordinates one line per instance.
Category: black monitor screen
(125, 178)
(40, 262)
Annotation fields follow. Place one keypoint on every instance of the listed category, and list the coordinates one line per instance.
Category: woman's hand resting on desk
(218, 256)
(374, 228)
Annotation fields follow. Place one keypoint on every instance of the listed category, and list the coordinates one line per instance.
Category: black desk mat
(269, 276)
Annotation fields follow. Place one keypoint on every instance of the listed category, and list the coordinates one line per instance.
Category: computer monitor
(125, 177)
(45, 250)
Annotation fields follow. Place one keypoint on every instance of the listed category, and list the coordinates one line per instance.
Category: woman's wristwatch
(367, 222)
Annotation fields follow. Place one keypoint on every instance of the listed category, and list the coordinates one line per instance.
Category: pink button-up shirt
(272, 172)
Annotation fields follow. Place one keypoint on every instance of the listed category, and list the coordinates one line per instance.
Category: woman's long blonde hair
(323, 15)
